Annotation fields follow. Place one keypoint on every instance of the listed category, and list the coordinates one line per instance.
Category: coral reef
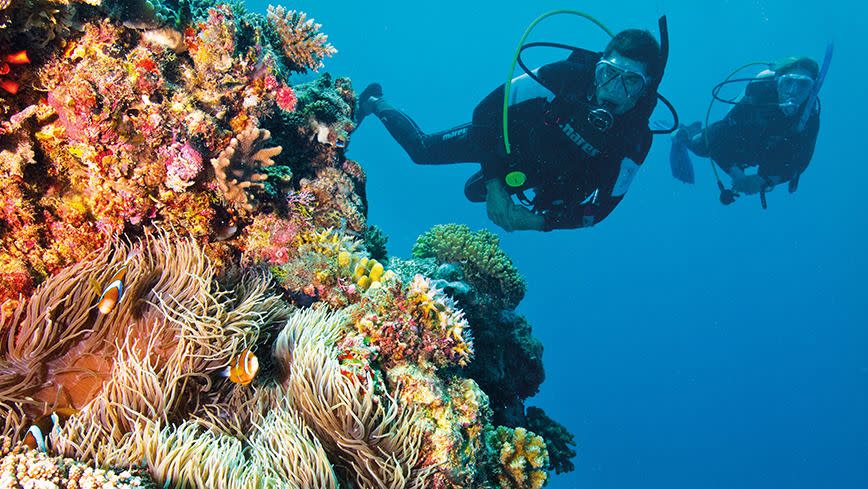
(484, 264)
(137, 279)
(20, 467)
(300, 38)
(558, 439)
(236, 166)
(522, 456)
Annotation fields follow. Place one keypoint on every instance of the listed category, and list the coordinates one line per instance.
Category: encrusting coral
(170, 322)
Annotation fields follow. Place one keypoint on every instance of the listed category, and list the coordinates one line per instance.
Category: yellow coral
(366, 272)
(523, 458)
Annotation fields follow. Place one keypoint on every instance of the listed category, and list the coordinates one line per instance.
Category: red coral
(285, 98)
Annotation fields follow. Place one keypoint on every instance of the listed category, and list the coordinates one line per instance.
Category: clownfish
(114, 291)
(243, 369)
(39, 435)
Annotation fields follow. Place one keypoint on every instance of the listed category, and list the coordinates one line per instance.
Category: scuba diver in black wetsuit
(773, 127)
(579, 132)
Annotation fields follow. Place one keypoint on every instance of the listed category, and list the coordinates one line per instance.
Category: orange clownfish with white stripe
(114, 291)
(243, 369)
(39, 435)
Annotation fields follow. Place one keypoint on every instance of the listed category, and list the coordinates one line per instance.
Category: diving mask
(625, 84)
(793, 89)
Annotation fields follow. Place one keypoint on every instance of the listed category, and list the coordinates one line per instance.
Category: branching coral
(558, 440)
(373, 436)
(302, 43)
(485, 265)
(239, 166)
(20, 467)
(522, 455)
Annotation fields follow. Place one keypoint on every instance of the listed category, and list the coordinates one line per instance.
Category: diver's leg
(456, 145)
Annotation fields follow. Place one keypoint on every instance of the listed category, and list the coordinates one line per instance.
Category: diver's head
(795, 78)
(629, 69)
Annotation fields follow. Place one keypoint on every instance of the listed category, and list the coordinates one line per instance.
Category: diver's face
(794, 88)
(620, 82)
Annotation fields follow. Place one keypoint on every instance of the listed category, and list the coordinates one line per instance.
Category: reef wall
(191, 295)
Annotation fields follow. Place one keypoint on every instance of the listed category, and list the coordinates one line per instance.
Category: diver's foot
(366, 101)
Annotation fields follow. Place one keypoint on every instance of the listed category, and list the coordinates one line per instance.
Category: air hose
(527, 32)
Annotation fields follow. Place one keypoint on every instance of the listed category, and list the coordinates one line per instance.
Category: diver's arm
(802, 153)
(506, 213)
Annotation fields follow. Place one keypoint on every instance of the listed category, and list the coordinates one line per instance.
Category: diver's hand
(749, 184)
(523, 219)
(498, 203)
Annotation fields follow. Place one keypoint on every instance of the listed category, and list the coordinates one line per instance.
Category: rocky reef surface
(191, 294)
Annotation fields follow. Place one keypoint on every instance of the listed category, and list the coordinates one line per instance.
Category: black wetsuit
(577, 174)
(757, 133)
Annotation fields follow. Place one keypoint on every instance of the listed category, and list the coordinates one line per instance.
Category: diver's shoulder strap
(584, 56)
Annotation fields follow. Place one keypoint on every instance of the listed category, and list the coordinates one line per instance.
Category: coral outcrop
(173, 201)
(20, 467)
(486, 267)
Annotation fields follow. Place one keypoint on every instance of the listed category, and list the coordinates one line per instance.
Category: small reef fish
(16, 58)
(114, 291)
(243, 369)
(39, 435)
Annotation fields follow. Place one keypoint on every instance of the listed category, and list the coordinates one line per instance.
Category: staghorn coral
(20, 467)
(238, 167)
(485, 265)
(302, 43)
(522, 456)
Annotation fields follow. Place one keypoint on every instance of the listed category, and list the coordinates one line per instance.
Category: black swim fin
(366, 101)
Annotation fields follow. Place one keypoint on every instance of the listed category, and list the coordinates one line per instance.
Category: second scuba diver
(579, 132)
(773, 127)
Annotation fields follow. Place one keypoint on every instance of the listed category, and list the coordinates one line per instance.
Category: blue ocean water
(687, 344)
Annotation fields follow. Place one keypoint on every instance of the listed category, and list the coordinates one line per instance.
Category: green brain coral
(485, 265)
